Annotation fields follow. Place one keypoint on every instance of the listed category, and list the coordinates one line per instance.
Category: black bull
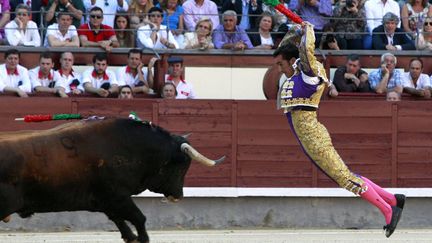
(94, 166)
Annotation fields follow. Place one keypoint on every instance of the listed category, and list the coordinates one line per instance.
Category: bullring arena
(266, 190)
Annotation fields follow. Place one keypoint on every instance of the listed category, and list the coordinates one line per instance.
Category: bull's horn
(186, 135)
(189, 150)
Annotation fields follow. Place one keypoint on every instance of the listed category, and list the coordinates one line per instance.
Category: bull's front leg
(127, 210)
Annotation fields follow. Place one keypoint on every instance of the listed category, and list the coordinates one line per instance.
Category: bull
(94, 166)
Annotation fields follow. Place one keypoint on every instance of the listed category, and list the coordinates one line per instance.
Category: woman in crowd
(424, 40)
(350, 19)
(138, 11)
(262, 38)
(412, 14)
(125, 35)
(201, 38)
(173, 18)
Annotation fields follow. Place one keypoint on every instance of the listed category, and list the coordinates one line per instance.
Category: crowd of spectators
(172, 24)
(205, 24)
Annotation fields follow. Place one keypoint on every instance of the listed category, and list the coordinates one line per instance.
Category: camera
(349, 3)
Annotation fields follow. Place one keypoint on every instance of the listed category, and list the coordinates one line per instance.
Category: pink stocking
(372, 197)
(387, 196)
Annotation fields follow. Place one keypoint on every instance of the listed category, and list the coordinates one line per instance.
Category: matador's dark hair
(287, 51)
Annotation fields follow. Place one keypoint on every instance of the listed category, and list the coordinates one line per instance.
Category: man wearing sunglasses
(156, 35)
(96, 34)
(109, 7)
(75, 7)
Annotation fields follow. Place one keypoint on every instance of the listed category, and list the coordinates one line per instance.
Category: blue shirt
(395, 79)
(172, 21)
(220, 37)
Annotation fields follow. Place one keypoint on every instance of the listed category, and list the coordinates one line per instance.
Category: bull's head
(175, 170)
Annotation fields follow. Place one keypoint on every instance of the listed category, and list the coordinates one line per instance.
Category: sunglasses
(95, 16)
(428, 23)
(203, 26)
(155, 15)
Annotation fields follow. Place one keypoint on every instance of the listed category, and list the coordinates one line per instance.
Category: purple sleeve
(325, 7)
(246, 40)
(218, 38)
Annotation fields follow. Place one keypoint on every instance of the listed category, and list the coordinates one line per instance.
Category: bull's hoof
(7, 219)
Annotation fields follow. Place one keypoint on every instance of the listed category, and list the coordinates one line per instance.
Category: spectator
(315, 12)
(4, 17)
(125, 92)
(393, 96)
(415, 82)
(173, 18)
(66, 79)
(201, 38)
(62, 33)
(35, 6)
(169, 91)
(412, 14)
(42, 76)
(75, 7)
(350, 19)
(14, 78)
(247, 11)
(135, 74)
(230, 36)
(375, 10)
(124, 33)
(22, 31)
(281, 21)
(98, 80)
(386, 77)
(351, 78)
(389, 37)
(96, 34)
(175, 76)
(109, 8)
(138, 11)
(155, 35)
(194, 10)
(262, 38)
(330, 41)
(424, 40)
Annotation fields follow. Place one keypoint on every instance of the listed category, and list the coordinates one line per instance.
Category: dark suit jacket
(379, 41)
(255, 38)
(237, 7)
(35, 8)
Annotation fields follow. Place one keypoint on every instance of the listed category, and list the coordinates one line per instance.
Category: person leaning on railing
(22, 31)
(389, 37)
(124, 32)
(424, 40)
(109, 7)
(63, 33)
(262, 37)
(230, 36)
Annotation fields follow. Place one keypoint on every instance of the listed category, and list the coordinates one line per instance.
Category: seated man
(98, 80)
(42, 76)
(14, 78)
(125, 92)
(351, 78)
(155, 35)
(62, 33)
(96, 34)
(386, 77)
(415, 82)
(175, 76)
(67, 81)
(135, 74)
(230, 36)
(22, 31)
(389, 37)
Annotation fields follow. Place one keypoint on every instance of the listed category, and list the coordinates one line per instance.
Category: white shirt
(125, 78)
(54, 31)
(37, 80)
(88, 77)
(144, 40)
(376, 9)
(69, 83)
(21, 80)
(422, 82)
(184, 90)
(17, 37)
(109, 11)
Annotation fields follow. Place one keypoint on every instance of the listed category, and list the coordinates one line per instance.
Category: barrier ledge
(233, 192)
